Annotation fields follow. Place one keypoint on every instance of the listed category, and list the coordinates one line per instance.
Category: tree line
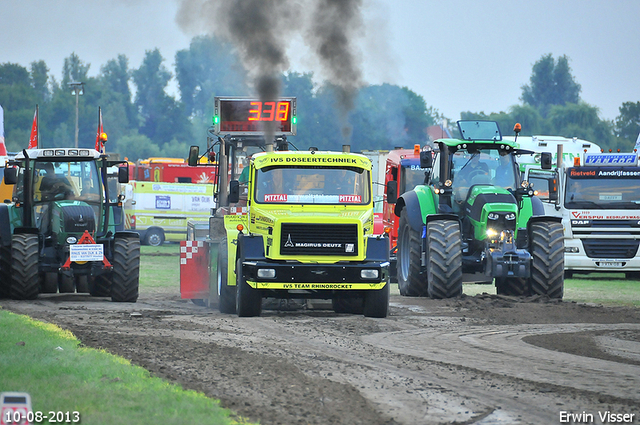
(142, 120)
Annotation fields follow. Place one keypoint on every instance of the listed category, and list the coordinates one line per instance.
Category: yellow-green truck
(302, 228)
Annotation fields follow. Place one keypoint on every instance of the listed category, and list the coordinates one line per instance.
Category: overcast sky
(460, 55)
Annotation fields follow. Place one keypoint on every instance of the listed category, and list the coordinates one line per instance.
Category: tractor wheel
(511, 286)
(126, 270)
(5, 271)
(547, 265)
(66, 285)
(100, 286)
(347, 305)
(25, 279)
(248, 300)
(410, 281)
(226, 293)
(82, 284)
(154, 237)
(376, 303)
(444, 259)
(50, 283)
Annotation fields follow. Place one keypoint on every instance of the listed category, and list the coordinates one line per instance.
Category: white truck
(598, 197)
(159, 211)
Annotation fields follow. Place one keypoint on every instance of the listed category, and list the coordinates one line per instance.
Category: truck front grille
(319, 239)
(610, 248)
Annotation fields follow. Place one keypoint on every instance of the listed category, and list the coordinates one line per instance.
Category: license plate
(610, 264)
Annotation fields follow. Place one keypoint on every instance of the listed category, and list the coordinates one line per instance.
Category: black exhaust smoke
(261, 30)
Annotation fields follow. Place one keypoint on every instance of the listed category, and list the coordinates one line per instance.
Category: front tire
(126, 270)
(25, 279)
(547, 266)
(248, 300)
(511, 286)
(444, 259)
(411, 281)
(376, 303)
(226, 293)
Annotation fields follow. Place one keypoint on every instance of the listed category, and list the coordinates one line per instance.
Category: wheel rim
(155, 239)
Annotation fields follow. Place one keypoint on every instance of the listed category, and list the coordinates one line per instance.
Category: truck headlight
(571, 249)
(266, 273)
(369, 274)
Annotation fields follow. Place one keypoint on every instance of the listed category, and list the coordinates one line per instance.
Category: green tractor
(62, 230)
(475, 220)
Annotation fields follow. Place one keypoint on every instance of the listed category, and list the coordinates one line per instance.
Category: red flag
(99, 144)
(33, 140)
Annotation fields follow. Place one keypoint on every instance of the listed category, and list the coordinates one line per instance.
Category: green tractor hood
(490, 207)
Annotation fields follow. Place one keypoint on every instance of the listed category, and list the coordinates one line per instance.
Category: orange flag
(33, 140)
(99, 144)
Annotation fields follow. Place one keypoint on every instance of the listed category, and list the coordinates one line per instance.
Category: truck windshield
(600, 188)
(312, 185)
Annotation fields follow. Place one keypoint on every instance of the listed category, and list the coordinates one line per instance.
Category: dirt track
(482, 360)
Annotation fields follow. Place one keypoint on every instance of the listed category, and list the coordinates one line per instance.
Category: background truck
(171, 170)
(597, 195)
(159, 211)
(60, 231)
(305, 229)
(475, 215)
(572, 148)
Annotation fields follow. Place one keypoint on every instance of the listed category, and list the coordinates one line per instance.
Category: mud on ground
(485, 359)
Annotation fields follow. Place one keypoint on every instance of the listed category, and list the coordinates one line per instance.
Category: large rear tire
(248, 300)
(376, 303)
(125, 278)
(547, 265)
(444, 259)
(25, 279)
(5, 270)
(411, 282)
(226, 293)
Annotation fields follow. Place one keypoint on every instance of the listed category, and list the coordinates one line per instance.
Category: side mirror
(234, 191)
(392, 192)
(11, 175)
(123, 175)
(194, 154)
(426, 159)
(545, 160)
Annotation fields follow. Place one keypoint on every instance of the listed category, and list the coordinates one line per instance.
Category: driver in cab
(473, 172)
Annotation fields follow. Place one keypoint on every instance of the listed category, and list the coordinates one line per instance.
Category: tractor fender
(5, 225)
(539, 218)
(127, 234)
(537, 208)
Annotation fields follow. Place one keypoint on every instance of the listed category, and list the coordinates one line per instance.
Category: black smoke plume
(260, 30)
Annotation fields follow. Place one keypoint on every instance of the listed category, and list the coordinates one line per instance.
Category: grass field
(62, 376)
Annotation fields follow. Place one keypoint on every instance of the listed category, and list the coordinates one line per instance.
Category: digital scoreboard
(248, 116)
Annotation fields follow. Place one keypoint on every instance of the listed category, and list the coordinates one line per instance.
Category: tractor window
(56, 181)
(312, 185)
